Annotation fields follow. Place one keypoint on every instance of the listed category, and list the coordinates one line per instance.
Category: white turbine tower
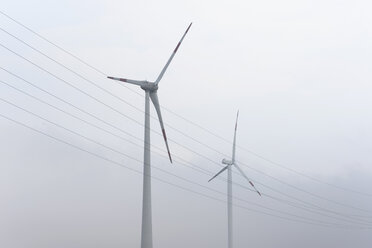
(229, 164)
(150, 89)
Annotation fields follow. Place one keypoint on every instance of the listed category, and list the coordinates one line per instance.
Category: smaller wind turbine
(229, 164)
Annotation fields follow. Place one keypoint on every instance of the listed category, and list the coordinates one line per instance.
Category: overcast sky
(298, 71)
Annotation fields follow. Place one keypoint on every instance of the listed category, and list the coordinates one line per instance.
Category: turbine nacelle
(227, 162)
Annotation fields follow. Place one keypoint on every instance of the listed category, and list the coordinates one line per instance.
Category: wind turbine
(151, 89)
(229, 164)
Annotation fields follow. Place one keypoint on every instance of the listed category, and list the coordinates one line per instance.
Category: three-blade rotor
(232, 161)
(152, 88)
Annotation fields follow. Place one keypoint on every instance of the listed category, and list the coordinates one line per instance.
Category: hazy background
(299, 71)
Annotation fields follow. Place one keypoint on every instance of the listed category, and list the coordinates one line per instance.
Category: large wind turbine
(150, 89)
(229, 164)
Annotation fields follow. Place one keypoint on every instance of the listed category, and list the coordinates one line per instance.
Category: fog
(298, 71)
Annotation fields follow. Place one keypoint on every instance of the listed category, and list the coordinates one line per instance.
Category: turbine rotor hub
(150, 86)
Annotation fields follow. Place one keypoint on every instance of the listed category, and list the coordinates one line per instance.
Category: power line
(158, 133)
(164, 171)
(173, 128)
(187, 120)
(193, 166)
(191, 150)
(186, 164)
(188, 136)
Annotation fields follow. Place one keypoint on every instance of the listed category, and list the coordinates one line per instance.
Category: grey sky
(299, 71)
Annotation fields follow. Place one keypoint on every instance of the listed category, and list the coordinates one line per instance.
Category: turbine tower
(229, 164)
(150, 89)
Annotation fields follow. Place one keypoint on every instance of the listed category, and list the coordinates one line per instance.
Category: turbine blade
(171, 57)
(130, 81)
(155, 101)
(223, 169)
(234, 143)
(244, 175)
